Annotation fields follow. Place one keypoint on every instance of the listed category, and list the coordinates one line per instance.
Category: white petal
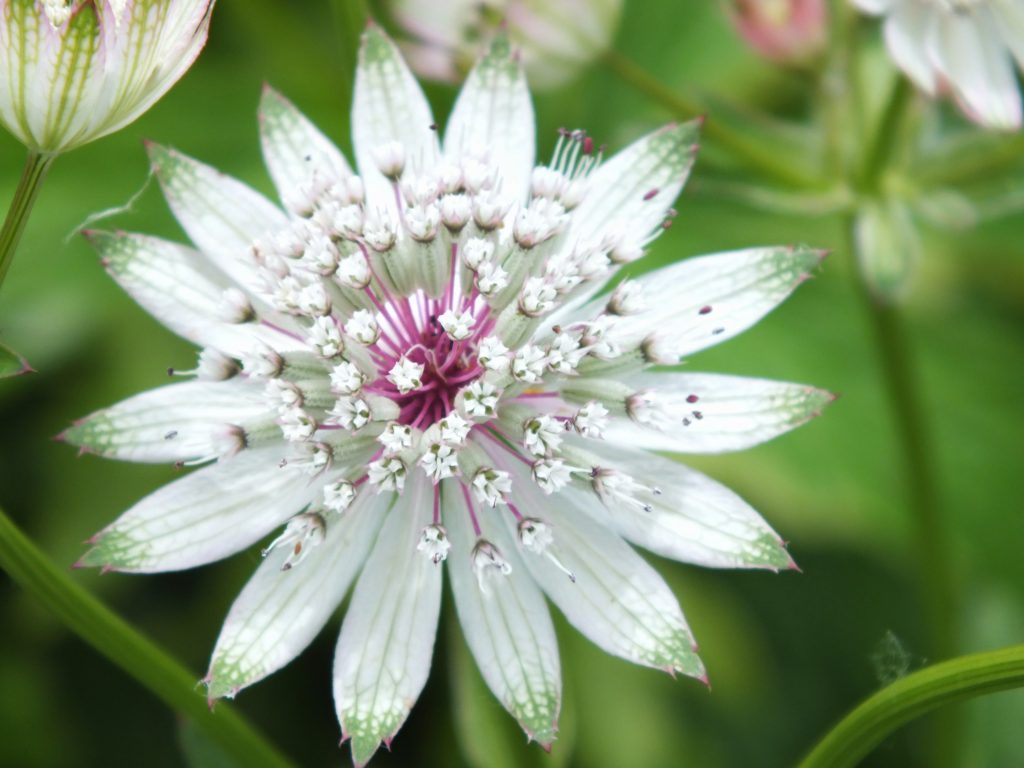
(387, 638)
(964, 49)
(1009, 15)
(294, 149)
(703, 301)
(635, 189)
(731, 413)
(279, 612)
(179, 287)
(906, 31)
(178, 422)
(205, 516)
(389, 105)
(876, 7)
(508, 627)
(222, 216)
(494, 112)
(693, 519)
(617, 600)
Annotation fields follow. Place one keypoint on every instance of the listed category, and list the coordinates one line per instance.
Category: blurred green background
(787, 654)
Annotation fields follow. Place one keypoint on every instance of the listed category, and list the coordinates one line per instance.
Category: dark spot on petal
(692, 398)
(704, 310)
(650, 194)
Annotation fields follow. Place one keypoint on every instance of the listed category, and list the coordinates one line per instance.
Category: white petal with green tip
(295, 150)
(205, 516)
(711, 413)
(181, 289)
(494, 112)
(635, 189)
(389, 106)
(279, 612)
(706, 300)
(178, 422)
(383, 656)
(693, 519)
(506, 624)
(221, 215)
(615, 598)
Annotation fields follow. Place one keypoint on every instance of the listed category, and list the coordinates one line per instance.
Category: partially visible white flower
(965, 46)
(72, 71)
(558, 38)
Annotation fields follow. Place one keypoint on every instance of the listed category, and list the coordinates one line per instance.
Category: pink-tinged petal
(221, 215)
(281, 610)
(963, 49)
(682, 514)
(906, 33)
(504, 619)
(710, 413)
(389, 106)
(493, 113)
(181, 289)
(298, 155)
(383, 656)
(205, 516)
(190, 421)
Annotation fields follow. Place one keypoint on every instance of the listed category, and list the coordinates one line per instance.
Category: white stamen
(488, 563)
(551, 475)
(302, 534)
(434, 543)
(536, 537)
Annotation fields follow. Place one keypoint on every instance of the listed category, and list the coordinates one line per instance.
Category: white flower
(71, 70)
(558, 37)
(484, 433)
(967, 46)
(458, 325)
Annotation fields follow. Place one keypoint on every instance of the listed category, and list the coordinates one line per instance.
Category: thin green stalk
(84, 615)
(857, 734)
(36, 166)
(750, 152)
(885, 138)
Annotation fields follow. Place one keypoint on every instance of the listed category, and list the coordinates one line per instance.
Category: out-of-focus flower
(965, 46)
(557, 38)
(789, 31)
(418, 365)
(74, 70)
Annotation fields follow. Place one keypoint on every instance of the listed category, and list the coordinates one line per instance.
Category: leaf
(12, 364)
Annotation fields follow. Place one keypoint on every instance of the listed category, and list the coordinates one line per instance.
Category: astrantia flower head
(965, 46)
(557, 38)
(74, 70)
(417, 417)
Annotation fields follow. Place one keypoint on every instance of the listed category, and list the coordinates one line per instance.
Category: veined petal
(615, 599)
(387, 638)
(222, 216)
(633, 191)
(64, 79)
(494, 112)
(205, 516)
(505, 621)
(179, 287)
(279, 612)
(691, 518)
(388, 106)
(703, 301)
(709, 413)
(295, 150)
(178, 422)
(146, 52)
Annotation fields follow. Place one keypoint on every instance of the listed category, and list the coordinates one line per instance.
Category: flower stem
(951, 681)
(111, 636)
(683, 107)
(36, 166)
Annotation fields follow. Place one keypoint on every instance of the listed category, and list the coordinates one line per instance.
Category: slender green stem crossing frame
(959, 679)
(36, 166)
(84, 615)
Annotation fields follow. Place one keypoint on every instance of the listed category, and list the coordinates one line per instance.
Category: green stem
(36, 166)
(750, 152)
(111, 636)
(884, 140)
(912, 696)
